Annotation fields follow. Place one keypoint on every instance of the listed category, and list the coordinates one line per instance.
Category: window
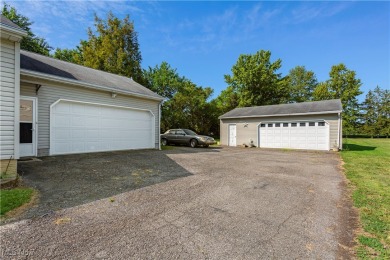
(270, 125)
(189, 132)
(321, 123)
(180, 132)
(25, 133)
(285, 124)
(302, 124)
(312, 123)
(293, 124)
(262, 125)
(277, 125)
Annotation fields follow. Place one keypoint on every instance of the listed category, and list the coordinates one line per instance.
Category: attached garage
(308, 125)
(75, 109)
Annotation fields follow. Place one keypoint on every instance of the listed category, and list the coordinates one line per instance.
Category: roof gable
(316, 107)
(76, 73)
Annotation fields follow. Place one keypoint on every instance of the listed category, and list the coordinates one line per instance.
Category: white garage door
(77, 127)
(296, 135)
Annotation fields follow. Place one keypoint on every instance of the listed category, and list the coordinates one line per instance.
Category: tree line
(255, 80)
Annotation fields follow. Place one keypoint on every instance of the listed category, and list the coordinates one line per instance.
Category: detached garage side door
(77, 127)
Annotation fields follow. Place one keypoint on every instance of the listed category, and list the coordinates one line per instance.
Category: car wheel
(164, 142)
(205, 146)
(193, 143)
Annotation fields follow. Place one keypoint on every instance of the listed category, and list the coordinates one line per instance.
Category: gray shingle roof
(4, 20)
(54, 67)
(316, 107)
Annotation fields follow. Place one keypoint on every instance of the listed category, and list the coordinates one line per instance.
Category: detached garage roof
(40, 66)
(317, 107)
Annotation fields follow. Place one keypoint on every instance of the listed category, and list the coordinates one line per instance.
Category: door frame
(34, 123)
(228, 134)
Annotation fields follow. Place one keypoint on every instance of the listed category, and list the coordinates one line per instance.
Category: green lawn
(14, 198)
(367, 166)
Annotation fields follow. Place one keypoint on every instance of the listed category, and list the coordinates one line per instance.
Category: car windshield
(189, 132)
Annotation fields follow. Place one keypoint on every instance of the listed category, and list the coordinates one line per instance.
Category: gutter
(12, 29)
(73, 82)
(275, 115)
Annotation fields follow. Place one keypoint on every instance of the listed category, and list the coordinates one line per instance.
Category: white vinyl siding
(7, 99)
(49, 93)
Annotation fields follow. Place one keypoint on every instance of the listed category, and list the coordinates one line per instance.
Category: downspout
(159, 124)
(338, 132)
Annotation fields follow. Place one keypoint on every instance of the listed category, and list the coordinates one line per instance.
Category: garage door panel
(299, 135)
(78, 128)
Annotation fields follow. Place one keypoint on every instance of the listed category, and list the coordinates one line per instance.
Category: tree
(189, 108)
(113, 47)
(302, 83)
(163, 80)
(370, 114)
(343, 85)
(227, 100)
(186, 104)
(376, 112)
(256, 81)
(384, 113)
(31, 42)
(69, 55)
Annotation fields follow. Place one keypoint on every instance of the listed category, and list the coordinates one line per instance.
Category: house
(308, 125)
(52, 107)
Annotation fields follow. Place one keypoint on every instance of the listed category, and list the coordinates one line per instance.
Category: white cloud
(310, 11)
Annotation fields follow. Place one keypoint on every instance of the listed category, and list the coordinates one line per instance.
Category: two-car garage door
(77, 127)
(296, 135)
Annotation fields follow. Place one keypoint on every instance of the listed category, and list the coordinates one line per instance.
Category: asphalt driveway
(230, 203)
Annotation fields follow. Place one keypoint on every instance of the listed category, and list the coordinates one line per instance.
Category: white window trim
(35, 122)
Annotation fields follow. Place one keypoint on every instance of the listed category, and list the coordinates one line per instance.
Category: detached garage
(308, 125)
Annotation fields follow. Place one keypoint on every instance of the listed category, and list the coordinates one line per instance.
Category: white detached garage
(307, 125)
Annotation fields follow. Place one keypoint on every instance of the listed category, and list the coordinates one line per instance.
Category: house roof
(37, 65)
(4, 20)
(316, 107)
(8, 25)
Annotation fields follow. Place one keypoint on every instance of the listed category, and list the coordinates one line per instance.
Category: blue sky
(203, 39)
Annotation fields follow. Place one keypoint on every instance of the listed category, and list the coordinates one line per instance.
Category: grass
(14, 198)
(367, 166)
(167, 147)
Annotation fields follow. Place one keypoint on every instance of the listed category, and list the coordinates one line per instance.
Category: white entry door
(78, 127)
(27, 127)
(232, 135)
